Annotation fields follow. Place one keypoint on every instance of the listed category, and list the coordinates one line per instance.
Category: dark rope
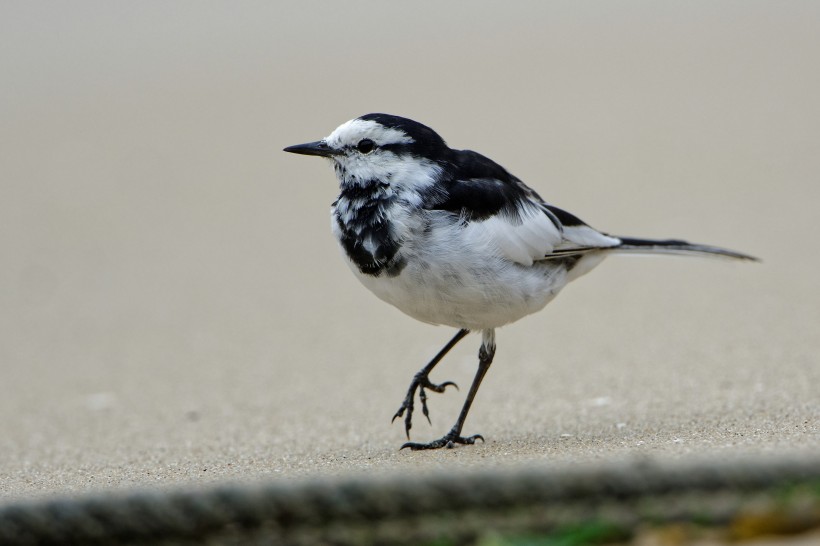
(459, 507)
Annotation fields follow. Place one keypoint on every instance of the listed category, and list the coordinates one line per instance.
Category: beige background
(174, 310)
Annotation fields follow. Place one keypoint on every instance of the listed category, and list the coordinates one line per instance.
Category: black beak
(319, 148)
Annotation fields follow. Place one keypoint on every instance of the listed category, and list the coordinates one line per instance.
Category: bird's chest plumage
(364, 224)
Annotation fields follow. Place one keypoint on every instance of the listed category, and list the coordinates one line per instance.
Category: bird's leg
(485, 358)
(421, 381)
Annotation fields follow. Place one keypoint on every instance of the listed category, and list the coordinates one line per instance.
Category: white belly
(473, 298)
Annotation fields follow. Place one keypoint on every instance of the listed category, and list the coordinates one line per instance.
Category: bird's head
(381, 149)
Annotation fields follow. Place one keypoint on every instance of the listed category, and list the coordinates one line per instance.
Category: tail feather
(675, 246)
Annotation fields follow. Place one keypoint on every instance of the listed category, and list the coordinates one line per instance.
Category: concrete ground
(173, 309)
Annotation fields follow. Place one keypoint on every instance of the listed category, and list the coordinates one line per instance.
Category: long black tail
(675, 246)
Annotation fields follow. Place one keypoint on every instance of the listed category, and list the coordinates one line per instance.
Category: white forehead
(353, 131)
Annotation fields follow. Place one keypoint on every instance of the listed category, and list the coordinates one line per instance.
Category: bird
(450, 237)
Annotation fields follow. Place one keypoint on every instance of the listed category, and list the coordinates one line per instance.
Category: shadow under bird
(450, 237)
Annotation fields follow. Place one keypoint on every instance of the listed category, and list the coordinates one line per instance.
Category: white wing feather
(523, 240)
(585, 237)
(534, 236)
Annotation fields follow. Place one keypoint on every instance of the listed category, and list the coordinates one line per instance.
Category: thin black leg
(421, 381)
(485, 358)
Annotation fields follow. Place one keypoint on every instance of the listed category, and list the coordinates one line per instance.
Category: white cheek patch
(409, 173)
(399, 172)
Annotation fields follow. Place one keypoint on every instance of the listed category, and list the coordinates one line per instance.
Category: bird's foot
(449, 441)
(420, 382)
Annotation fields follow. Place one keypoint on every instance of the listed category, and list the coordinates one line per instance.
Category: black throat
(366, 234)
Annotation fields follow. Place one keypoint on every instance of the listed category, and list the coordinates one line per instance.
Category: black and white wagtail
(450, 237)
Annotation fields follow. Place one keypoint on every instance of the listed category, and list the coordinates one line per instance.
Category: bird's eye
(366, 146)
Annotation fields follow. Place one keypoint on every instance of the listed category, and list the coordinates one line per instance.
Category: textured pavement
(174, 310)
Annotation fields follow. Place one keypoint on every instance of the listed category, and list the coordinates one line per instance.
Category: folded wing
(501, 213)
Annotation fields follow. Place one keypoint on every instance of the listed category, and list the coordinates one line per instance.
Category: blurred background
(174, 309)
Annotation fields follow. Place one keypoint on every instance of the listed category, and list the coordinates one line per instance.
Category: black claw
(426, 384)
(423, 398)
(398, 413)
(408, 421)
(420, 382)
(449, 441)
